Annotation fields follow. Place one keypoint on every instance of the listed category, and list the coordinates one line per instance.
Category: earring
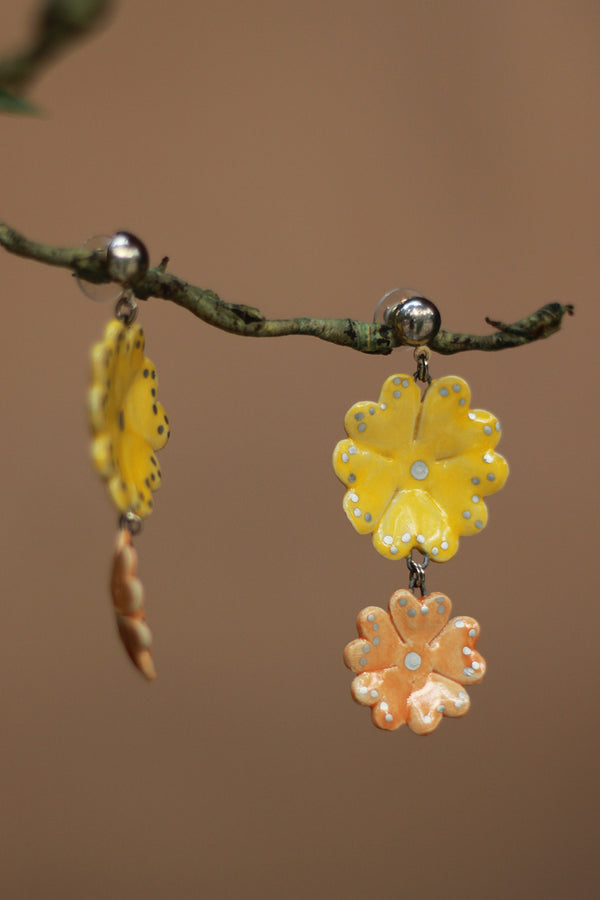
(417, 467)
(128, 426)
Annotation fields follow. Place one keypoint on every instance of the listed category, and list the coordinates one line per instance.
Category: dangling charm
(128, 426)
(412, 663)
(127, 593)
(416, 469)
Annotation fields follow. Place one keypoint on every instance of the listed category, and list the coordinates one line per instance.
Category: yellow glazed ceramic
(413, 663)
(417, 470)
(127, 421)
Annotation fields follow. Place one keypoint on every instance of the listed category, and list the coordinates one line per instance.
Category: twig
(367, 337)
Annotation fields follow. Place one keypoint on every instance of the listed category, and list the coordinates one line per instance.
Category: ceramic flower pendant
(417, 470)
(413, 663)
(128, 423)
(127, 593)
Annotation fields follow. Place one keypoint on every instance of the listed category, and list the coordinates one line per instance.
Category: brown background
(304, 158)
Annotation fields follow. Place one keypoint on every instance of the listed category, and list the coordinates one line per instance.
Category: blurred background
(304, 158)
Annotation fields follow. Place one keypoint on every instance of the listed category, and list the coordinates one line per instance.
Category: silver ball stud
(127, 258)
(413, 318)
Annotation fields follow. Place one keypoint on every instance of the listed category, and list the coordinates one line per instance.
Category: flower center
(412, 661)
(419, 470)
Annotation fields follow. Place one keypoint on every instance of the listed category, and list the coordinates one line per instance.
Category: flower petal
(371, 480)
(379, 645)
(390, 423)
(448, 427)
(414, 519)
(419, 620)
(461, 483)
(387, 692)
(453, 652)
(142, 413)
(438, 697)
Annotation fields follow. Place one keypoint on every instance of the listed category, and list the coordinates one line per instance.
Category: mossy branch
(236, 318)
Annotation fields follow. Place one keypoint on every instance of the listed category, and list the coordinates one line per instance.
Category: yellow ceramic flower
(413, 663)
(127, 421)
(417, 470)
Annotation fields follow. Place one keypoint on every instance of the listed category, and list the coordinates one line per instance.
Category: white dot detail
(472, 415)
(345, 457)
(444, 545)
(421, 538)
(412, 661)
(488, 457)
(383, 706)
(374, 694)
(419, 470)
(354, 498)
(475, 498)
(405, 537)
(459, 623)
(487, 429)
(357, 512)
(389, 717)
(467, 651)
(427, 719)
(388, 540)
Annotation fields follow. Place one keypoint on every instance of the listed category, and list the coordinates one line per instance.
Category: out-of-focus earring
(129, 426)
(417, 465)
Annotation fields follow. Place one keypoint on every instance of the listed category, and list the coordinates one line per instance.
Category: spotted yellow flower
(417, 470)
(128, 423)
(413, 663)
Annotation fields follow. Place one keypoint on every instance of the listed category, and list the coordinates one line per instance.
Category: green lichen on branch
(237, 318)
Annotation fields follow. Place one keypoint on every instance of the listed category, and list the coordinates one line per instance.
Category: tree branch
(367, 337)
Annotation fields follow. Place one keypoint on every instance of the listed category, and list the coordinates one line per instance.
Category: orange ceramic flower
(413, 663)
(128, 600)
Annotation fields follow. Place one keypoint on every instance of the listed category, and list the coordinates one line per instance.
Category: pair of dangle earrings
(417, 466)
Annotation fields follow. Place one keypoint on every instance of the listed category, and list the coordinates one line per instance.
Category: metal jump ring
(130, 521)
(417, 572)
(126, 308)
